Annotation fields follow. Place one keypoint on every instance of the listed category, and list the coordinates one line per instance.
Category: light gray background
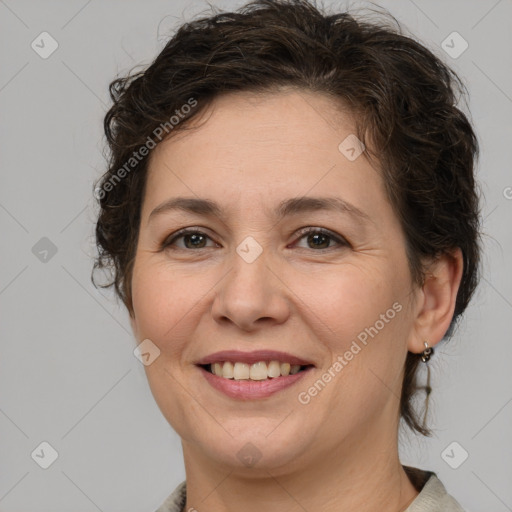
(68, 375)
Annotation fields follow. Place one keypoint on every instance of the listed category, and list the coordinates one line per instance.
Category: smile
(252, 375)
(261, 370)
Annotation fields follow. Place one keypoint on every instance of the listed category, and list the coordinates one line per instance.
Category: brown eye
(318, 238)
(192, 239)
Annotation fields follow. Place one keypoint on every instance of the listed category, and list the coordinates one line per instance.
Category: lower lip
(252, 389)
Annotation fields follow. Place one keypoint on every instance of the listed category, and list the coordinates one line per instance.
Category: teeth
(227, 370)
(273, 369)
(294, 369)
(241, 371)
(217, 369)
(257, 371)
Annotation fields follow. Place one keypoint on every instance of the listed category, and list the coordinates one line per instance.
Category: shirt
(432, 495)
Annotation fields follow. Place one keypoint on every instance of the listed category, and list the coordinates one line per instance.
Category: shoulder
(433, 497)
(175, 502)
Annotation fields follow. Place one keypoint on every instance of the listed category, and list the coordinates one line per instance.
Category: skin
(340, 451)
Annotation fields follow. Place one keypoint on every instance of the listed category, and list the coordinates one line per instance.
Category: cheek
(162, 305)
(362, 318)
(348, 300)
(163, 308)
(363, 324)
(370, 324)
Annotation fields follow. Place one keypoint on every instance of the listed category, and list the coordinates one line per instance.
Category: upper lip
(252, 357)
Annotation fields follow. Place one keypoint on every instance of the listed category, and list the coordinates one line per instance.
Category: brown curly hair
(404, 99)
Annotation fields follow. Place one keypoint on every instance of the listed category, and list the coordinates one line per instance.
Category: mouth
(253, 375)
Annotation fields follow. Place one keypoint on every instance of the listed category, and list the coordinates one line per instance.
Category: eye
(320, 238)
(192, 238)
(195, 239)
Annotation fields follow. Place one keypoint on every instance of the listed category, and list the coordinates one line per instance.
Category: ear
(436, 301)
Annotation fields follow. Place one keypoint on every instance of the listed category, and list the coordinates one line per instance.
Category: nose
(252, 295)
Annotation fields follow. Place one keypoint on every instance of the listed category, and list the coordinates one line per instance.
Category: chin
(254, 449)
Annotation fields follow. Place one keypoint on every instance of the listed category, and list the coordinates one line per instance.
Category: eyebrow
(286, 208)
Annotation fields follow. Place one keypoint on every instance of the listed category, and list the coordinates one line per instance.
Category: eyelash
(167, 243)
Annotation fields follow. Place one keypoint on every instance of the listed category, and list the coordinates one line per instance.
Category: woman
(291, 217)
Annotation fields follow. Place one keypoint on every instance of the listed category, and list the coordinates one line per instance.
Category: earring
(429, 351)
(425, 356)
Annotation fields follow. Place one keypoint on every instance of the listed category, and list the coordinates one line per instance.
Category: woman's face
(341, 302)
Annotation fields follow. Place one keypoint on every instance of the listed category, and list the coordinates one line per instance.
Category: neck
(359, 476)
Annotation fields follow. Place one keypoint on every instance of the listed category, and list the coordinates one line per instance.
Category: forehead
(280, 117)
(264, 146)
